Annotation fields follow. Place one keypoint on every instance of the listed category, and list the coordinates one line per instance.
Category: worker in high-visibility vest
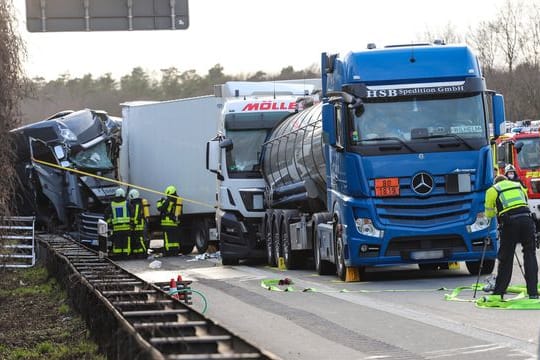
(117, 217)
(139, 211)
(508, 201)
(170, 209)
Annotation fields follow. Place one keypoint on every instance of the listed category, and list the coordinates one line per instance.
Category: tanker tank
(294, 164)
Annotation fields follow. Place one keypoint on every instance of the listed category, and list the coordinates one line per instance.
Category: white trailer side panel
(164, 143)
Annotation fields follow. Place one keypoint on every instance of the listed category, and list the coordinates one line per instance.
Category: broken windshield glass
(95, 158)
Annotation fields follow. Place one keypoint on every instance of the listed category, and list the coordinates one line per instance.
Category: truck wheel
(290, 258)
(323, 267)
(341, 269)
(277, 241)
(474, 267)
(186, 249)
(226, 260)
(200, 234)
(268, 235)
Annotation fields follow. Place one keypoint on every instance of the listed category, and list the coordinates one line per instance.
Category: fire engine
(522, 149)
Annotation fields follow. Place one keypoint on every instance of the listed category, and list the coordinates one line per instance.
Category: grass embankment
(36, 321)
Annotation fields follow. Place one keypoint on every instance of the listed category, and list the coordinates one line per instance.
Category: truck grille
(410, 209)
(88, 231)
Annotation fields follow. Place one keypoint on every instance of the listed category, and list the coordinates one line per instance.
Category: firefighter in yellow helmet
(170, 209)
(508, 200)
(139, 210)
(117, 217)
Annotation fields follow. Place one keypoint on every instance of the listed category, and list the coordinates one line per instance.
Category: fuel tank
(294, 165)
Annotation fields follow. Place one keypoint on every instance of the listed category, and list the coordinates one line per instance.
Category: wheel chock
(453, 265)
(352, 274)
(281, 263)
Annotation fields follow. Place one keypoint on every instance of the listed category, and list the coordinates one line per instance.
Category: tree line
(105, 93)
(508, 47)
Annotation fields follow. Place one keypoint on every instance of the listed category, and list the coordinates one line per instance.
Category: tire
(186, 243)
(323, 267)
(474, 267)
(290, 258)
(226, 260)
(277, 239)
(341, 269)
(269, 237)
(199, 233)
(186, 249)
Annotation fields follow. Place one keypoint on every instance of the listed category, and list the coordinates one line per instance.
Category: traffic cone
(173, 289)
(180, 286)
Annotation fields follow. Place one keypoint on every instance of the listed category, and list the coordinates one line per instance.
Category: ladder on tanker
(17, 242)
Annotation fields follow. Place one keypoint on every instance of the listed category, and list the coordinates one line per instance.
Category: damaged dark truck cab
(86, 141)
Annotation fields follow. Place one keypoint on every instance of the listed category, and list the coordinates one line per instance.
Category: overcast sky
(245, 36)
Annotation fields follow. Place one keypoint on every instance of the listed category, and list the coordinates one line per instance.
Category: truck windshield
(422, 123)
(244, 158)
(93, 158)
(529, 155)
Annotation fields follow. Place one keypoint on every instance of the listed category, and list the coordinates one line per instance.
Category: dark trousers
(138, 242)
(520, 229)
(121, 242)
(171, 238)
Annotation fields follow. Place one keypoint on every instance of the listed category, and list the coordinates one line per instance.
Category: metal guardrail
(133, 319)
(17, 242)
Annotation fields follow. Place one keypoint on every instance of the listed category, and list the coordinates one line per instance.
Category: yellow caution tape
(272, 285)
(118, 182)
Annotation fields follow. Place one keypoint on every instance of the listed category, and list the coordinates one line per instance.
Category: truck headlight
(481, 223)
(365, 227)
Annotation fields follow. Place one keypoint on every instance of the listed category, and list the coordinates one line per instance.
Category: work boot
(533, 296)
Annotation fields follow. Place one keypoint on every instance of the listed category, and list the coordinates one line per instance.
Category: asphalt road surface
(396, 313)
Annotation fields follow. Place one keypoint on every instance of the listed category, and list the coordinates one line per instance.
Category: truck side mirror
(498, 115)
(329, 124)
(213, 152)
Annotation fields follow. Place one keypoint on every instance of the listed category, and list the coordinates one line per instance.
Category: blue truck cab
(407, 134)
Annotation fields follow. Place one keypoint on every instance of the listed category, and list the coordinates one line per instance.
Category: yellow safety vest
(503, 197)
(120, 215)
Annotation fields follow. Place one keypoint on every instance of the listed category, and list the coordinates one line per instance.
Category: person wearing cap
(170, 209)
(508, 201)
(512, 175)
(139, 213)
(118, 220)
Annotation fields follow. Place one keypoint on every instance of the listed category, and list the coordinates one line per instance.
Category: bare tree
(531, 47)
(11, 91)
(449, 34)
(483, 40)
(508, 28)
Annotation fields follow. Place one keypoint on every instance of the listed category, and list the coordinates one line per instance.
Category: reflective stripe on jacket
(120, 215)
(170, 209)
(139, 213)
(503, 197)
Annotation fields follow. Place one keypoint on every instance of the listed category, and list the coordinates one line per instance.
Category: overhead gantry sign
(106, 15)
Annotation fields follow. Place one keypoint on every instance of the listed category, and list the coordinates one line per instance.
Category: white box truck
(164, 143)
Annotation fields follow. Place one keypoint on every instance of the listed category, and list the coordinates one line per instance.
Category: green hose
(205, 307)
